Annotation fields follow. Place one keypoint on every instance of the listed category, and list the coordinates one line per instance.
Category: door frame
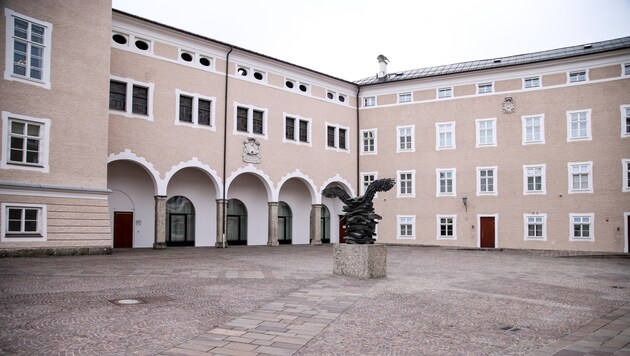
(496, 228)
(114, 227)
(170, 229)
(626, 232)
(238, 241)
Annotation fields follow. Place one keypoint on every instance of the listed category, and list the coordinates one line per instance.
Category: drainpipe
(224, 217)
(358, 143)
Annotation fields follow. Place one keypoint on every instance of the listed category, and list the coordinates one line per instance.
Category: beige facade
(204, 143)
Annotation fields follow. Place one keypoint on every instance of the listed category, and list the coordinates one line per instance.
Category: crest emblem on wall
(251, 150)
(508, 105)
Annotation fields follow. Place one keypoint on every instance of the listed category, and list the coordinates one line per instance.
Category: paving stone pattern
(286, 301)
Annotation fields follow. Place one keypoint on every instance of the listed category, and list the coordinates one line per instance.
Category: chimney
(382, 61)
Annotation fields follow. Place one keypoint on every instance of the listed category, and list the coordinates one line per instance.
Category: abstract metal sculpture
(360, 217)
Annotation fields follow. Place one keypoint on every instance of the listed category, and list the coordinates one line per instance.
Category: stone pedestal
(362, 261)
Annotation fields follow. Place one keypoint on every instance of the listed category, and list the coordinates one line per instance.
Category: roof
(536, 57)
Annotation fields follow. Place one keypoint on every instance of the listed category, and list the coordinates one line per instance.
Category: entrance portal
(236, 223)
(180, 222)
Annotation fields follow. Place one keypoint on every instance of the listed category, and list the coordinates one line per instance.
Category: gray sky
(343, 37)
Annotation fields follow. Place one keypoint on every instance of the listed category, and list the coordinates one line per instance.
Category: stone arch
(262, 176)
(341, 182)
(312, 188)
(127, 155)
(195, 163)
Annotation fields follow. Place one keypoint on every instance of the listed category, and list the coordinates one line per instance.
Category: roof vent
(382, 61)
(497, 60)
(587, 46)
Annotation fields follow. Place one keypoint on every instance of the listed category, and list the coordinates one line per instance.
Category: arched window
(180, 222)
(285, 227)
(236, 222)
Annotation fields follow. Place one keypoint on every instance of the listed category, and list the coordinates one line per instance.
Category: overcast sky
(343, 37)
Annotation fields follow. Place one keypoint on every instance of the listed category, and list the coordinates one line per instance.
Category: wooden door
(123, 229)
(487, 231)
(342, 229)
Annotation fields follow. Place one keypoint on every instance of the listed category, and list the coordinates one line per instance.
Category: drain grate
(511, 328)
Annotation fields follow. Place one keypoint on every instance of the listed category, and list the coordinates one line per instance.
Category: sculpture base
(362, 261)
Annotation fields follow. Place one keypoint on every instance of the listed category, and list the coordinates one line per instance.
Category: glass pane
(17, 127)
(19, 63)
(14, 226)
(290, 128)
(37, 33)
(20, 28)
(30, 226)
(15, 214)
(33, 130)
(258, 122)
(204, 112)
(178, 227)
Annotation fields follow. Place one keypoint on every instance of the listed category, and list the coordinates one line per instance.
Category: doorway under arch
(180, 221)
(325, 225)
(236, 222)
(285, 223)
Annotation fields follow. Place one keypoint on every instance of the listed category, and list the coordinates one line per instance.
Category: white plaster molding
(310, 184)
(337, 179)
(159, 186)
(195, 163)
(272, 194)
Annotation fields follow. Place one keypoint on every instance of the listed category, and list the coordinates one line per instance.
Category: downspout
(358, 142)
(224, 217)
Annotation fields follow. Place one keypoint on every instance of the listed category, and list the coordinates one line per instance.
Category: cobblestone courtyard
(285, 300)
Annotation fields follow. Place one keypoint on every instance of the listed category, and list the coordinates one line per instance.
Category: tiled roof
(567, 52)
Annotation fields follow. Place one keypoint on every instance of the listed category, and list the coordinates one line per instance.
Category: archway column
(160, 222)
(272, 236)
(316, 224)
(221, 215)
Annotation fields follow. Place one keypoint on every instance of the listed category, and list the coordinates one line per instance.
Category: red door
(342, 229)
(487, 232)
(123, 229)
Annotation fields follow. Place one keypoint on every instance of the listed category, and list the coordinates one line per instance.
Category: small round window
(303, 88)
(342, 98)
(242, 71)
(330, 95)
(120, 39)
(258, 75)
(142, 45)
(186, 56)
(204, 61)
(289, 84)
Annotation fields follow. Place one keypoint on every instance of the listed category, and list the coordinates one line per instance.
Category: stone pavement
(286, 301)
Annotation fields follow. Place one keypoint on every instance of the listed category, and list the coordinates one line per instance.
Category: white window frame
(541, 118)
(250, 74)
(250, 121)
(527, 80)
(589, 132)
(336, 148)
(438, 192)
(399, 193)
(495, 181)
(129, 99)
(526, 223)
(478, 122)
(625, 178)
(413, 139)
(405, 98)
(45, 83)
(576, 74)
(131, 43)
(365, 175)
(408, 220)
(591, 224)
(296, 130)
(441, 93)
(485, 85)
(543, 179)
(41, 235)
(44, 152)
(589, 164)
(438, 223)
(625, 114)
(369, 101)
(438, 146)
(195, 110)
(375, 137)
(625, 69)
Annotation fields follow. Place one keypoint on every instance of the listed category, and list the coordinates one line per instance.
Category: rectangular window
(446, 227)
(337, 137)
(534, 181)
(28, 49)
(446, 182)
(582, 227)
(533, 129)
(579, 125)
(487, 181)
(369, 101)
(140, 100)
(250, 120)
(625, 169)
(241, 119)
(369, 141)
(23, 222)
(297, 130)
(194, 110)
(626, 69)
(580, 177)
(484, 88)
(486, 129)
(342, 138)
(331, 136)
(445, 93)
(257, 121)
(577, 76)
(405, 138)
(535, 227)
(404, 97)
(303, 131)
(289, 128)
(185, 108)
(25, 142)
(368, 178)
(532, 82)
(131, 98)
(204, 112)
(625, 120)
(406, 183)
(445, 135)
(406, 226)
(117, 95)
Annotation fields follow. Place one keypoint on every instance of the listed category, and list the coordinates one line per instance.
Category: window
(130, 98)
(533, 129)
(250, 74)
(625, 120)
(369, 141)
(487, 181)
(580, 177)
(582, 227)
(405, 138)
(28, 46)
(331, 95)
(445, 93)
(25, 142)
(625, 169)
(579, 125)
(535, 227)
(337, 137)
(406, 183)
(577, 76)
(23, 222)
(195, 110)
(446, 227)
(250, 120)
(367, 179)
(626, 69)
(369, 101)
(532, 82)
(486, 129)
(404, 97)
(406, 226)
(445, 135)
(534, 181)
(484, 88)
(445, 182)
(297, 130)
